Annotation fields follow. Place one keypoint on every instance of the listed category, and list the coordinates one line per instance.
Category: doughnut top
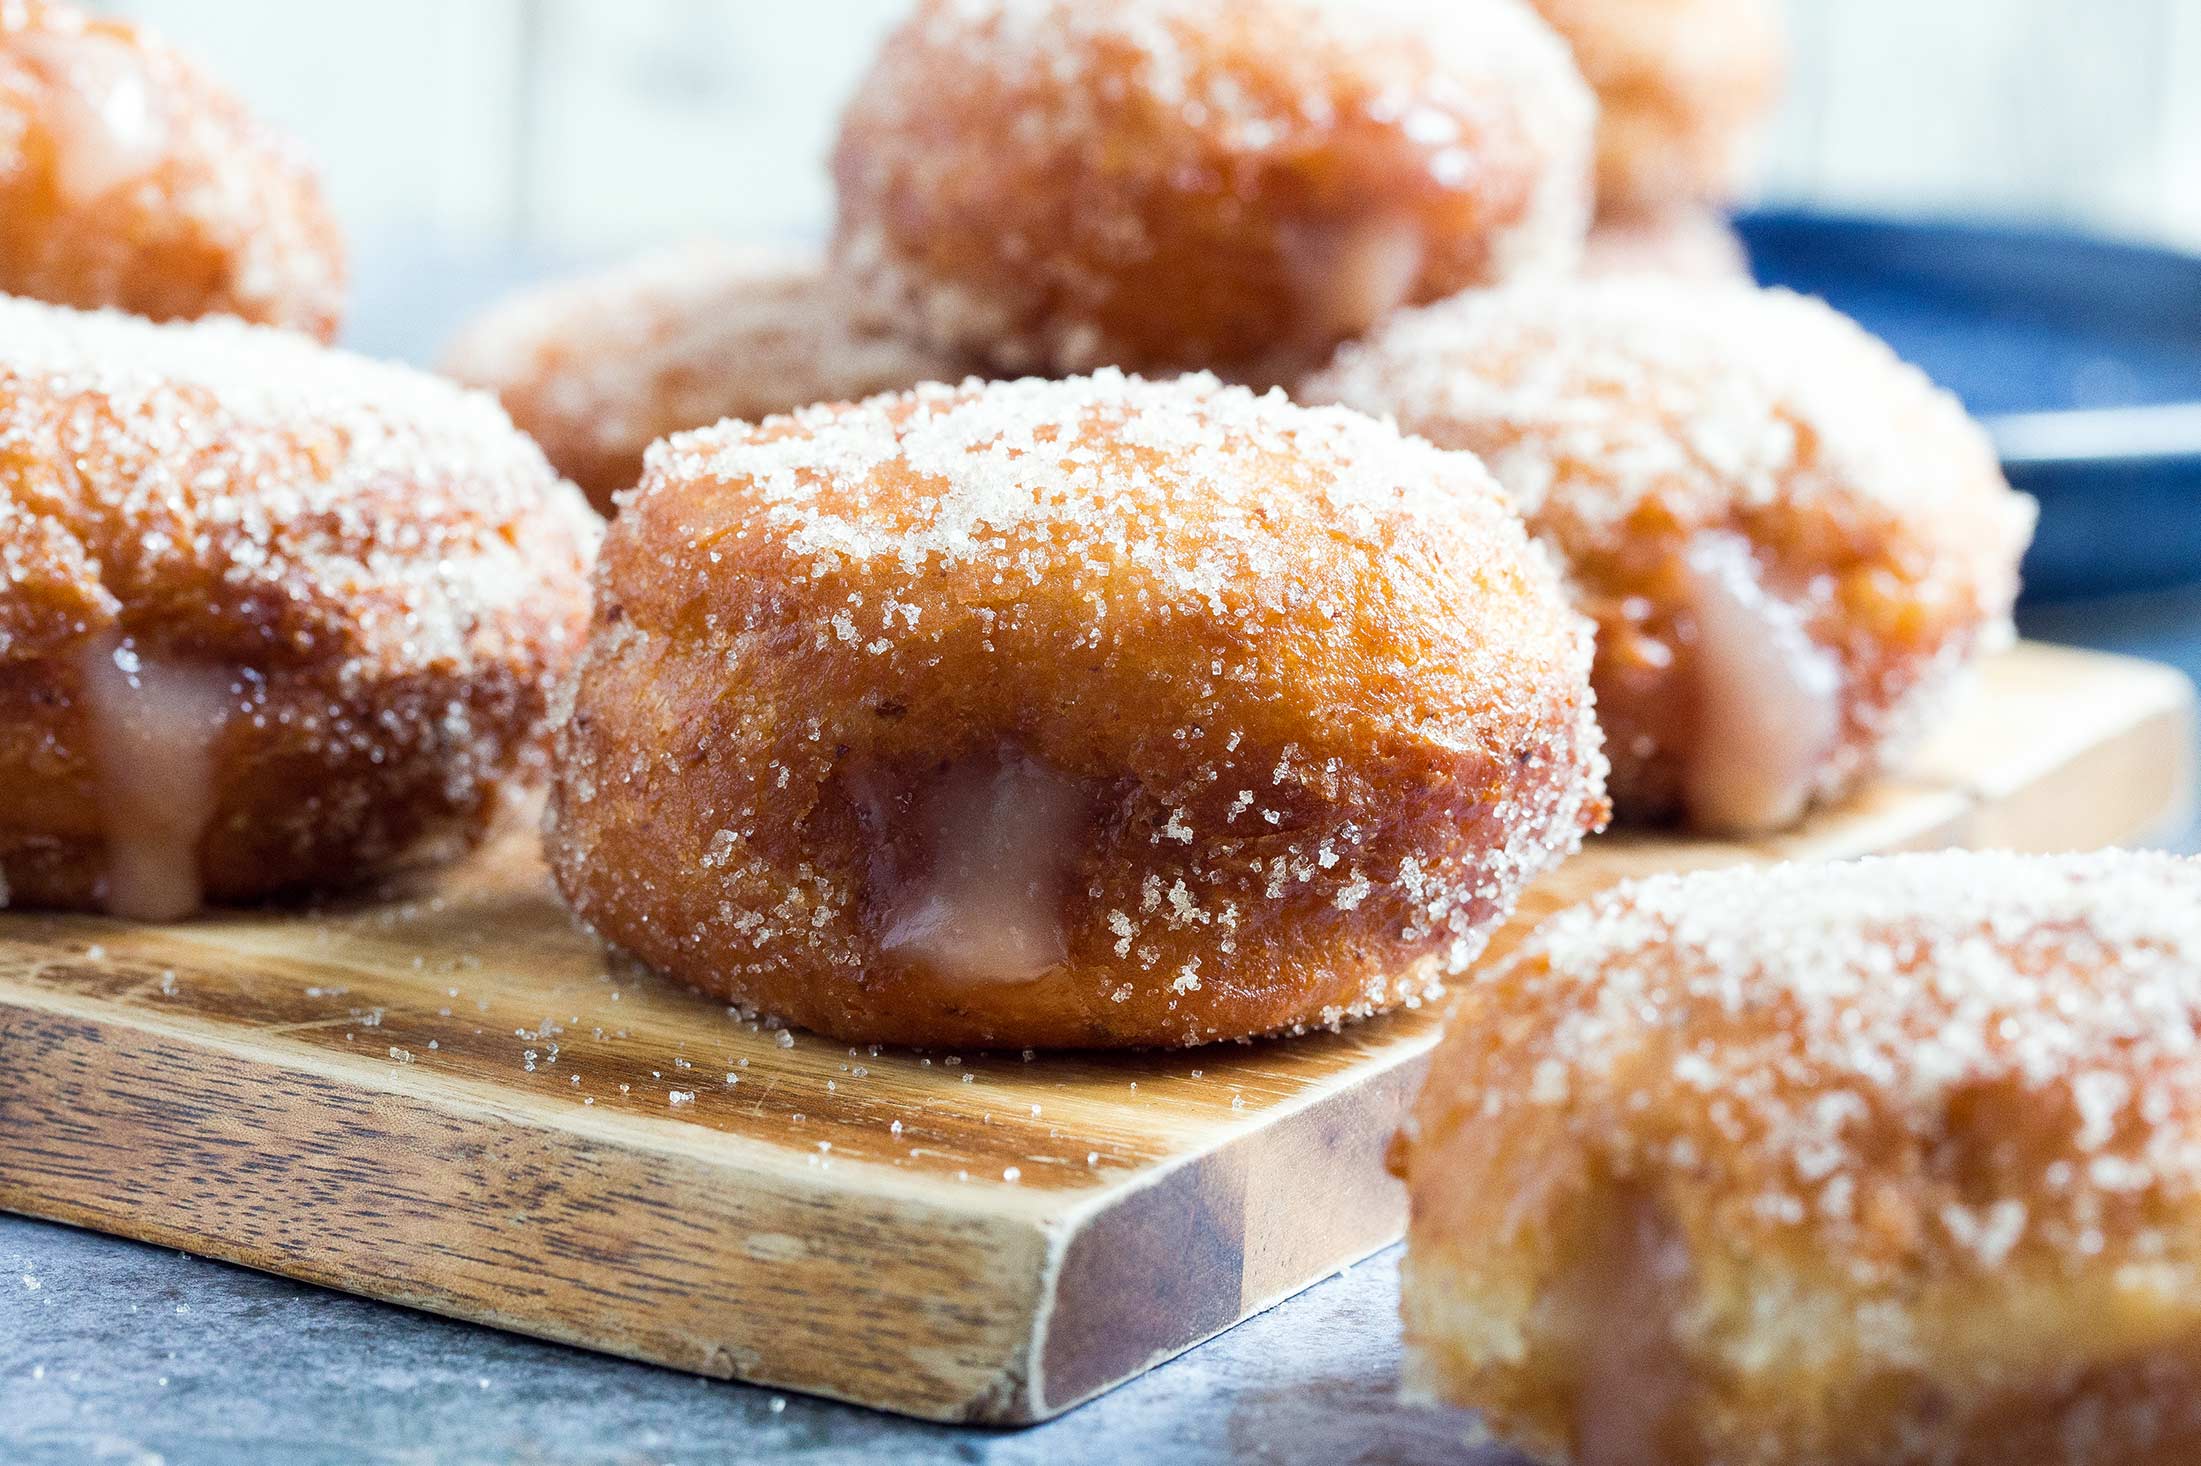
(1967, 1054)
(1263, 75)
(680, 338)
(246, 493)
(1606, 406)
(1177, 484)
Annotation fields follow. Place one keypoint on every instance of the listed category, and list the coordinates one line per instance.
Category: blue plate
(2084, 356)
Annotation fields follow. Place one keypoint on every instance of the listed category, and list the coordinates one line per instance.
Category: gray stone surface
(114, 1351)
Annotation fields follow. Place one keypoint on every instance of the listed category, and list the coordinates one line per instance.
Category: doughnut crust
(1087, 713)
(273, 618)
(1688, 240)
(128, 178)
(1234, 185)
(596, 369)
(1684, 88)
(1790, 540)
(1893, 1162)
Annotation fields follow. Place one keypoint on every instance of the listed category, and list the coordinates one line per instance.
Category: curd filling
(1629, 1396)
(1349, 276)
(999, 837)
(107, 125)
(153, 727)
(1768, 697)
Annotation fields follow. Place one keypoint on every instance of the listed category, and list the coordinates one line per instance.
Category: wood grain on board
(448, 1098)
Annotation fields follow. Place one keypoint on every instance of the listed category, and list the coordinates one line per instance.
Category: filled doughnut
(1893, 1162)
(598, 368)
(1688, 240)
(1226, 184)
(1684, 89)
(273, 619)
(1790, 540)
(1098, 712)
(129, 178)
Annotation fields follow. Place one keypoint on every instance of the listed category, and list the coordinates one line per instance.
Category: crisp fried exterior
(1896, 1162)
(1684, 89)
(1637, 420)
(386, 575)
(1313, 703)
(128, 178)
(1231, 185)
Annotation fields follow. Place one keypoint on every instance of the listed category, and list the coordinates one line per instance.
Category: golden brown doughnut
(128, 178)
(1226, 184)
(1687, 240)
(1790, 540)
(273, 618)
(1087, 713)
(1684, 88)
(1895, 1162)
(598, 368)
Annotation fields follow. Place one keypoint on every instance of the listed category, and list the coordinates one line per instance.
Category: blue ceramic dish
(2084, 356)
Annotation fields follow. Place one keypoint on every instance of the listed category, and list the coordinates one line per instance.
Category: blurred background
(571, 129)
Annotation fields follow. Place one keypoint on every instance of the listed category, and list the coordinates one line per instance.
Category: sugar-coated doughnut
(273, 618)
(1226, 184)
(1688, 240)
(598, 368)
(128, 178)
(1894, 1162)
(1097, 712)
(1790, 540)
(1684, 88)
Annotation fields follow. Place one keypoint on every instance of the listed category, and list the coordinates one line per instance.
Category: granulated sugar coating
(272, 617)
(1226, 184)
(129, 178)
(1892, 1161)
(598, 368)
(1684, 90)
(1096, 712)
(1777, 525)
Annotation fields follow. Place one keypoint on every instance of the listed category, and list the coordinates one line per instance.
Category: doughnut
(1684, 88)
(274, 619)
(128, 178)
(1086, 713)
(1688, 240)
(1897, 1161)
(1233, 185)
(1790, 540)
(598, 368)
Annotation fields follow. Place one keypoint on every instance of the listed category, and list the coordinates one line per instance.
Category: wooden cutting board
(447, 1098)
